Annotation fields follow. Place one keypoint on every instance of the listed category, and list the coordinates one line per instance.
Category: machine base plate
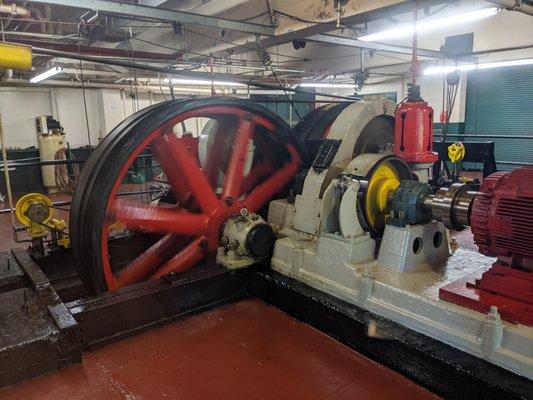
(508, 289)
(444, 369)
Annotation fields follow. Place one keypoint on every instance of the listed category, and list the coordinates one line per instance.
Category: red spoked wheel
(241, 158)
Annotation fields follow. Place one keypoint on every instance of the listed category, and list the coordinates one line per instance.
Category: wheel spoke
(175, 178)
(148, 261)
(234, 174)
(183, 164)
(158, 218)
(273, 185)
(267, 150)
(257, 173)
(215, 156)
(184, 260)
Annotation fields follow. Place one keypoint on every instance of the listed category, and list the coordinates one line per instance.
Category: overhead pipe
(21, 10)
(94, 85)
(37, 35)
(175, 72)
(15, 10)
(100, 51)
(515, 5)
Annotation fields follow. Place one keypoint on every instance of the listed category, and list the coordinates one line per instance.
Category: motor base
(413, 247)
(508, 289)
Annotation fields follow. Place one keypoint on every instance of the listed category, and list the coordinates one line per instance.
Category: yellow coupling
(384, 180)
(15, 56)
(456, 152)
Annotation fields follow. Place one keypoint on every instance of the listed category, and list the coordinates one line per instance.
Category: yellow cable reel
(456, 152)
(35, 211)
(383, 180)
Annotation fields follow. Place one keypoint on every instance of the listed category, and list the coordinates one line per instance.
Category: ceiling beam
(400, 7)
(161, 14)
(343, 41)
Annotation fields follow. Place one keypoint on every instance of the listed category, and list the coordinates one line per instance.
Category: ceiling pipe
(179, 73)
(99, 51)
(140, 55)
(34, 35)
(14, 10)
(515, 5)
(93, 85)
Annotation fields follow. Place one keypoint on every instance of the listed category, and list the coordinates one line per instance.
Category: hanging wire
(66, 181)
(136, 82)
(161, 87)
(3, 32)
(83, 86)
(266, 60)
(171, 87)
(246, 46)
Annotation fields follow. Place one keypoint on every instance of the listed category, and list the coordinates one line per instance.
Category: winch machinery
(341, 202)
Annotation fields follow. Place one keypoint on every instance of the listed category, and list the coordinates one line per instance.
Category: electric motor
(502, 217)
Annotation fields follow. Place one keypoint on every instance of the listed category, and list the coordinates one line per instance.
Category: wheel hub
(245, 238)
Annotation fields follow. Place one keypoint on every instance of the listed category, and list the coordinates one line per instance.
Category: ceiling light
(47, 74)
(328, 85)
(508, 63)
(428, 25)
(471, 67)
(204, 82)
(448, 69)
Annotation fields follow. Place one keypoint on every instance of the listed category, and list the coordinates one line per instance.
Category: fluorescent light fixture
(508, 63)
(204, 82)
(47, 74)
(471, 67)
(328, 85)
(429, 25)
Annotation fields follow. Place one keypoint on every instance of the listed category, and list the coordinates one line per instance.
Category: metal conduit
(514, 5)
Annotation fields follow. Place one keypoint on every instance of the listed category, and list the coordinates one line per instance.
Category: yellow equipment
(383, 181)
(456, 152)
(15, 56)
(35, 211)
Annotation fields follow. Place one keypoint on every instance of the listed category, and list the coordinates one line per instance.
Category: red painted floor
(246, 350)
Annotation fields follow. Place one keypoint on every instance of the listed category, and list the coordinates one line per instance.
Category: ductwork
(515, 5)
